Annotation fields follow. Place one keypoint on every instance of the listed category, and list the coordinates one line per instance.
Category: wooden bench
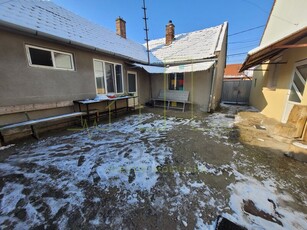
(169, 96)
(33, 122)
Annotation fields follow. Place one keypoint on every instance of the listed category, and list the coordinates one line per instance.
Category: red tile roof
(233, 70)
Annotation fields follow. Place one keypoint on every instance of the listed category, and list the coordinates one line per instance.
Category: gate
(236, 91)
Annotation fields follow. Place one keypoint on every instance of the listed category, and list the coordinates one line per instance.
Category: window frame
(52, 51)
(105, 76)
(168, 79)
(292, 84)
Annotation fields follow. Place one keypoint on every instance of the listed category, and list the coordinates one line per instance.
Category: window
(108, 76)
(175, 81)
(298, 84)
(41, 57)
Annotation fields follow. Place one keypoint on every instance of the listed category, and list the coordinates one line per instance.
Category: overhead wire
(267, 12)
(244, 31)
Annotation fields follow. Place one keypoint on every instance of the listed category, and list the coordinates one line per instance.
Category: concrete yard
(149, 171)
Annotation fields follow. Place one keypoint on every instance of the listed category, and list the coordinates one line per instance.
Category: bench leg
(34, 132)
(97, 116)
(2, 142)
(183, 107)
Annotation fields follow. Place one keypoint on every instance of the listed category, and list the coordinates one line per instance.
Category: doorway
(297, 88)
(133, 87)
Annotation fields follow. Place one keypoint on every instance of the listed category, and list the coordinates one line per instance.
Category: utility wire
(243, 41)
(244, 31)
(242, 47)
(236, 54)
(267, 12)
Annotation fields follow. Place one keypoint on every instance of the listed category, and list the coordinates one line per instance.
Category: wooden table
(109, 102)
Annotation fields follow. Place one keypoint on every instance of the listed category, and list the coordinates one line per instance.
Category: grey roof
(50, 20)
(196, 45)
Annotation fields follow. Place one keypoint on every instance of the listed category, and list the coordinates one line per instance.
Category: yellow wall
(271, 102)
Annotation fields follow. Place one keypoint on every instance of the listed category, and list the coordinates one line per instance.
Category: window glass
(298, 83)
(131, 83)
(110, 77)
(40, 57)
(179, 81)
(119, 79)
(99, 75)
(62, 61)
(172, 81)
(293, 96)
(176, 81)
(50, 58)
(303, 71)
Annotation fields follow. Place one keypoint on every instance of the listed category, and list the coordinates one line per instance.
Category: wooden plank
(37, 121)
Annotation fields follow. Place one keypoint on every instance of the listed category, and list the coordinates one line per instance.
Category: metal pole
(146, 30)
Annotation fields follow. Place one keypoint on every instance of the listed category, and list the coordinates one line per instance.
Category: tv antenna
(146, 31)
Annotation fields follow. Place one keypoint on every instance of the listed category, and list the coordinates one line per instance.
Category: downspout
(213, 77)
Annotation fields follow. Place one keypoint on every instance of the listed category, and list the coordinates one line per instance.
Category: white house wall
(287, 17)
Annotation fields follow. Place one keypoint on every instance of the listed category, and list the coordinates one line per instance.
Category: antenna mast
(146, 31)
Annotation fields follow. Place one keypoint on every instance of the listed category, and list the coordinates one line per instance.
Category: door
(297, 88)
(133, 87)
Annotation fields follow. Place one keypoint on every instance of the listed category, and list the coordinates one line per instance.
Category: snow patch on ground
(122, 160)
(6, 146)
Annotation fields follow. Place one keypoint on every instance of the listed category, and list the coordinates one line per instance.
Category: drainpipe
(213, 77)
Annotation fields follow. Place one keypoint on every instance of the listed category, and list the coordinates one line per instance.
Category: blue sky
(187, 15)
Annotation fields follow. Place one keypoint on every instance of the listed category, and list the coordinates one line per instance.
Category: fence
(236, 91)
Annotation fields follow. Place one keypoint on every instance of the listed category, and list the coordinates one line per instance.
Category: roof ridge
(185, 33)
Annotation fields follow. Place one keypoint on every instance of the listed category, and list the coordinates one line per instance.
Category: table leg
(88, 114)
(127, 104)
(115, 108)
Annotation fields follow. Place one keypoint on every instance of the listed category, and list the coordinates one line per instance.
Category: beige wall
(197, 83)
(271, 102)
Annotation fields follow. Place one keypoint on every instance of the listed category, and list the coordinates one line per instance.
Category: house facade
(280, 76)
(46, 67)
(192, 62)
(51, 57)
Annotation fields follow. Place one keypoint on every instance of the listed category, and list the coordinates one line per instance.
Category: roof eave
(187, 61)
(272, 50)
(66, 41)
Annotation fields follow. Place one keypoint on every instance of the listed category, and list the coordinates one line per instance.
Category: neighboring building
(50, 57)
(279, 80)
(193, 62)
(232, 72)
